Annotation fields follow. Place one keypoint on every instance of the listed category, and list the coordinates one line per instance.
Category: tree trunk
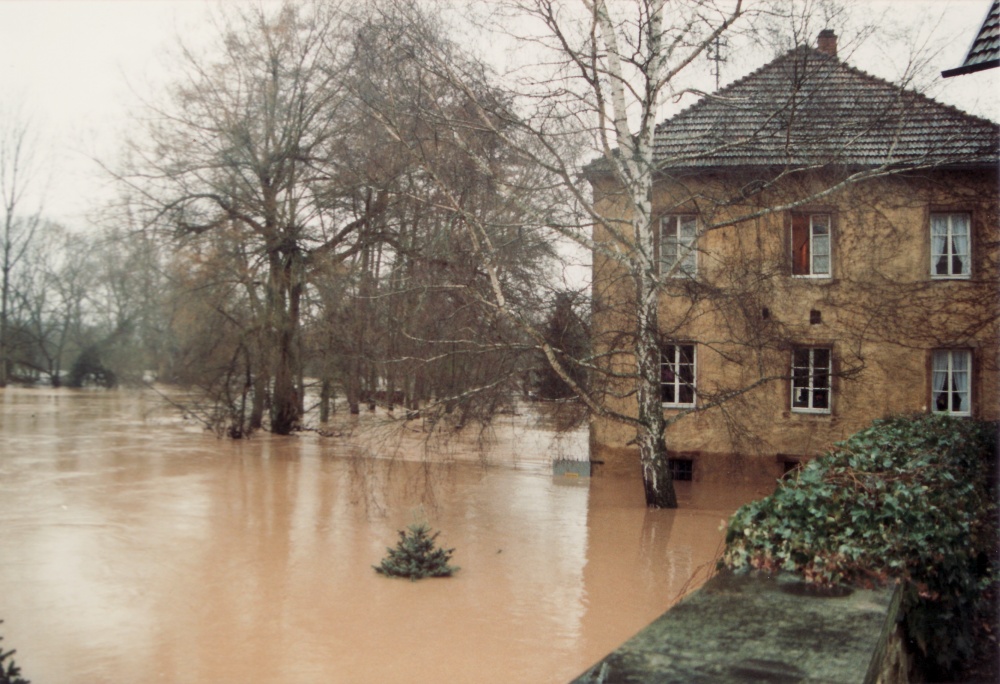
(4, 296)
(354, 386)
(260, 385)
(390, 392)
(300, 379)
(284, 403)
(325, 397)
(284, 399)
(656, 476)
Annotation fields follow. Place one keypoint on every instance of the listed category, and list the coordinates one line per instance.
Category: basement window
(790, 467)
(681, 469)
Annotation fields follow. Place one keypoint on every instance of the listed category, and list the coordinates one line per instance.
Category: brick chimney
(827, 42)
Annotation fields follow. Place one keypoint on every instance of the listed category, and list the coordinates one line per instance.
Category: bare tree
(19, 171)
(446, 342)
(250, 143)
(52, 290)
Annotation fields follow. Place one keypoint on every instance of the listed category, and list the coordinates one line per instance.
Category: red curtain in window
(800, 244)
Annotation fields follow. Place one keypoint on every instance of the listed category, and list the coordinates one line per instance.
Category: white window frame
(811, 388)
(672, 233)
(671, 374)
(950, 232)
(816, 241)
(951, 379)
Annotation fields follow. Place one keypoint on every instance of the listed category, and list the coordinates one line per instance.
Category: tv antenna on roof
(714, 52)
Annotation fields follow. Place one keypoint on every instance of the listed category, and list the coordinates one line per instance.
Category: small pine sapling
(416, 556)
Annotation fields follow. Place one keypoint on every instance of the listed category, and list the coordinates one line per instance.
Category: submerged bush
(906, 500)
(88, 369)
(416, 556)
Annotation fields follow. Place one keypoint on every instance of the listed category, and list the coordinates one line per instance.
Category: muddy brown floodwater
(135, 547)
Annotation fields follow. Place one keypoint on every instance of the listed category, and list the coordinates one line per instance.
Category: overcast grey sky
(77, 66)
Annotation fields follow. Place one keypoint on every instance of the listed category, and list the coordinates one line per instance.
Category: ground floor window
(811, 370)
(677, 374)
(951, 381)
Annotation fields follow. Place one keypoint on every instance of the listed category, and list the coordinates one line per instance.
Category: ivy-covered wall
(880, 312)
(909, 500)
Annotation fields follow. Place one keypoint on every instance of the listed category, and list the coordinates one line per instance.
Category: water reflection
(135, 548)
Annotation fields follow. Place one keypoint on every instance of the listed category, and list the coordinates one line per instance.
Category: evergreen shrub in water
(416, 556)
(907, 500)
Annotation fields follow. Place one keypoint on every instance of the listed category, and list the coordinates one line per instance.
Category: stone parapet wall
(754, 628)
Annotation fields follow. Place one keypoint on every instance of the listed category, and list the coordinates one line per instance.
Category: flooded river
(135, 547)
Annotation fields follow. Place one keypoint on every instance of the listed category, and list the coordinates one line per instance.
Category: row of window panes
(812, 368)
(950, 245)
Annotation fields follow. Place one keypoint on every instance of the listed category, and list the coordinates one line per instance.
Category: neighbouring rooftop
(984, 53)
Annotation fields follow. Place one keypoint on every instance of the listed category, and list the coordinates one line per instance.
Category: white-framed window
(677, 375)
(951, 382)
(811, 371)
(951, 246)
(678, 233)
(811, 245)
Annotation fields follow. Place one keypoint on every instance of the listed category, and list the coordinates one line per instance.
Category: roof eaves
(970, 68)
(984, 52)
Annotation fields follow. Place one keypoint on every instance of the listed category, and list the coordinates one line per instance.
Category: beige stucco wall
(881, 313)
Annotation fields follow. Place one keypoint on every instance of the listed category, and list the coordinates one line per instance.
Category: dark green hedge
(906, 500)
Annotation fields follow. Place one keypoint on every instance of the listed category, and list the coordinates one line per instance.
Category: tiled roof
(985, 50)
(807, 107)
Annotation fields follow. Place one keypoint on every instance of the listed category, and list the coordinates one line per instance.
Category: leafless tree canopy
(340, 199)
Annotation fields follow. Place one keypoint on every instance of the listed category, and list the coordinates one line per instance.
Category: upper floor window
(677, 375)
(950, 382)
(811, 244)
(951, 247)
(811, 371)
(678, 233)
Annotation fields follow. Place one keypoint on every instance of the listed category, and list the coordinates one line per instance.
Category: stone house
(828, 247)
